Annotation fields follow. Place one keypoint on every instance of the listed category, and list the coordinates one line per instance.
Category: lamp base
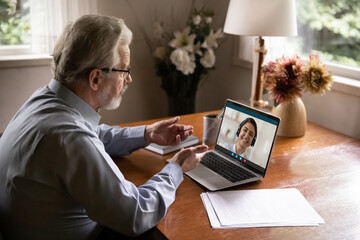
(259, 103)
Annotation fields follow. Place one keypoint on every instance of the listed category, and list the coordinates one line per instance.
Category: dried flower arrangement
(285, 78)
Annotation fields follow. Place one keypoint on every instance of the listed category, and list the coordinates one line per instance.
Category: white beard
(114, 102)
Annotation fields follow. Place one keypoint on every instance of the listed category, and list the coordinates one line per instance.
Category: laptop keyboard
(224, 168)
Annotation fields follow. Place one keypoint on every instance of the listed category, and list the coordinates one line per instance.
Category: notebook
(191, 140)
(242, 150)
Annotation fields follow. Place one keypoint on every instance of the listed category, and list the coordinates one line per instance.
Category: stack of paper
(259, 208)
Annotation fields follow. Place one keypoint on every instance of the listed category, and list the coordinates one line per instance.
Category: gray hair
(90, 42)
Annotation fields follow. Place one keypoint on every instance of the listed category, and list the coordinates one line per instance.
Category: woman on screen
(246, 133)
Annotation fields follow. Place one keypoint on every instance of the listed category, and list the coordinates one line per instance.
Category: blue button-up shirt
(58, 181)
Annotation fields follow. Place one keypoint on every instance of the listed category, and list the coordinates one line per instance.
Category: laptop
(242, 150)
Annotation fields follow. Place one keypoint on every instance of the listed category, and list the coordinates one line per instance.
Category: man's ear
(95, 78)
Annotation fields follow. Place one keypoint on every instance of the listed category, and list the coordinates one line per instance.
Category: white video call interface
(247, 135)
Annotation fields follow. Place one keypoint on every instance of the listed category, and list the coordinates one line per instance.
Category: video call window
(247, 136)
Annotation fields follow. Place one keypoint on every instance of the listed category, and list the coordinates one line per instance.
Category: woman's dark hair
(252, 121)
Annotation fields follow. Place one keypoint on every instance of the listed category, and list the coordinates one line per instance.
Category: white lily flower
(183, 61)
(183, 40)
(208, 20)
(210, 40)
(208, 60)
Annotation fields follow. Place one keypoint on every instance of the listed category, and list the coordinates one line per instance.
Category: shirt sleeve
(95, 182)
(121, 141)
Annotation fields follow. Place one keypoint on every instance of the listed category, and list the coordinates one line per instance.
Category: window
(331, 30)
(33, 26)
(327, 28)
(15, 31)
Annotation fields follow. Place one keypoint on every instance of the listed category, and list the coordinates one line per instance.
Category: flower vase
(179, 105)
(293, 118)
(181, 92)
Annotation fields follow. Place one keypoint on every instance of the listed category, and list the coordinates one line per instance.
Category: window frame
(11, 50)
(343, 70)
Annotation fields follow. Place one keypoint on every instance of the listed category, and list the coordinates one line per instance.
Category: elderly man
(57, 179)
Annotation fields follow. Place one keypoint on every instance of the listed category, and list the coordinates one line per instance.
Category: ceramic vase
(179, 105)
(293, 118)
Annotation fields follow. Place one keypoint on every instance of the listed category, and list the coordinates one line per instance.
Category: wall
(338, 109)
(17, 83)
(146, 100)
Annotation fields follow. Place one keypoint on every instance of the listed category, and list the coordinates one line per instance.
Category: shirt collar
(75, 102)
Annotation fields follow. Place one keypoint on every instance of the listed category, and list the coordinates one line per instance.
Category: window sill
(341, 84)
(346, 85)
(30, 60)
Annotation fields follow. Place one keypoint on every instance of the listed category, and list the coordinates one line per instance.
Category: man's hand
(189, 158)
(167, 132)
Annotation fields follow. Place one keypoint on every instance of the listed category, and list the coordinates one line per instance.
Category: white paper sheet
(259, 208)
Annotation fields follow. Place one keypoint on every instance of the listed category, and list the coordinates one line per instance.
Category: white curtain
(276, 47)
(49, 17)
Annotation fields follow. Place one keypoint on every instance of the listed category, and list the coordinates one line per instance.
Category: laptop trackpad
(207, 178)
(200, 172)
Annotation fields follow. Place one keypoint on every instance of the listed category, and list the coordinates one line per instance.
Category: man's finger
(200, 149)
(187, 128)
(182, 127)
(171, 121)
(186, 134)
(177, 139)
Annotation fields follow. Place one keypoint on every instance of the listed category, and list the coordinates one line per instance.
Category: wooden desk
(323, 165)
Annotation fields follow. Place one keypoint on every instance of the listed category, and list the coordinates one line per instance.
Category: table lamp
(260, 18)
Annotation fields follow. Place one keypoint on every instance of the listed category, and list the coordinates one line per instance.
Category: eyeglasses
(117, 70)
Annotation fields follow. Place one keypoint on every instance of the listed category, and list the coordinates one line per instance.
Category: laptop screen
(247, 135)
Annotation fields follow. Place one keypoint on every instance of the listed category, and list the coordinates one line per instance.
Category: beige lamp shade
(261, 18)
